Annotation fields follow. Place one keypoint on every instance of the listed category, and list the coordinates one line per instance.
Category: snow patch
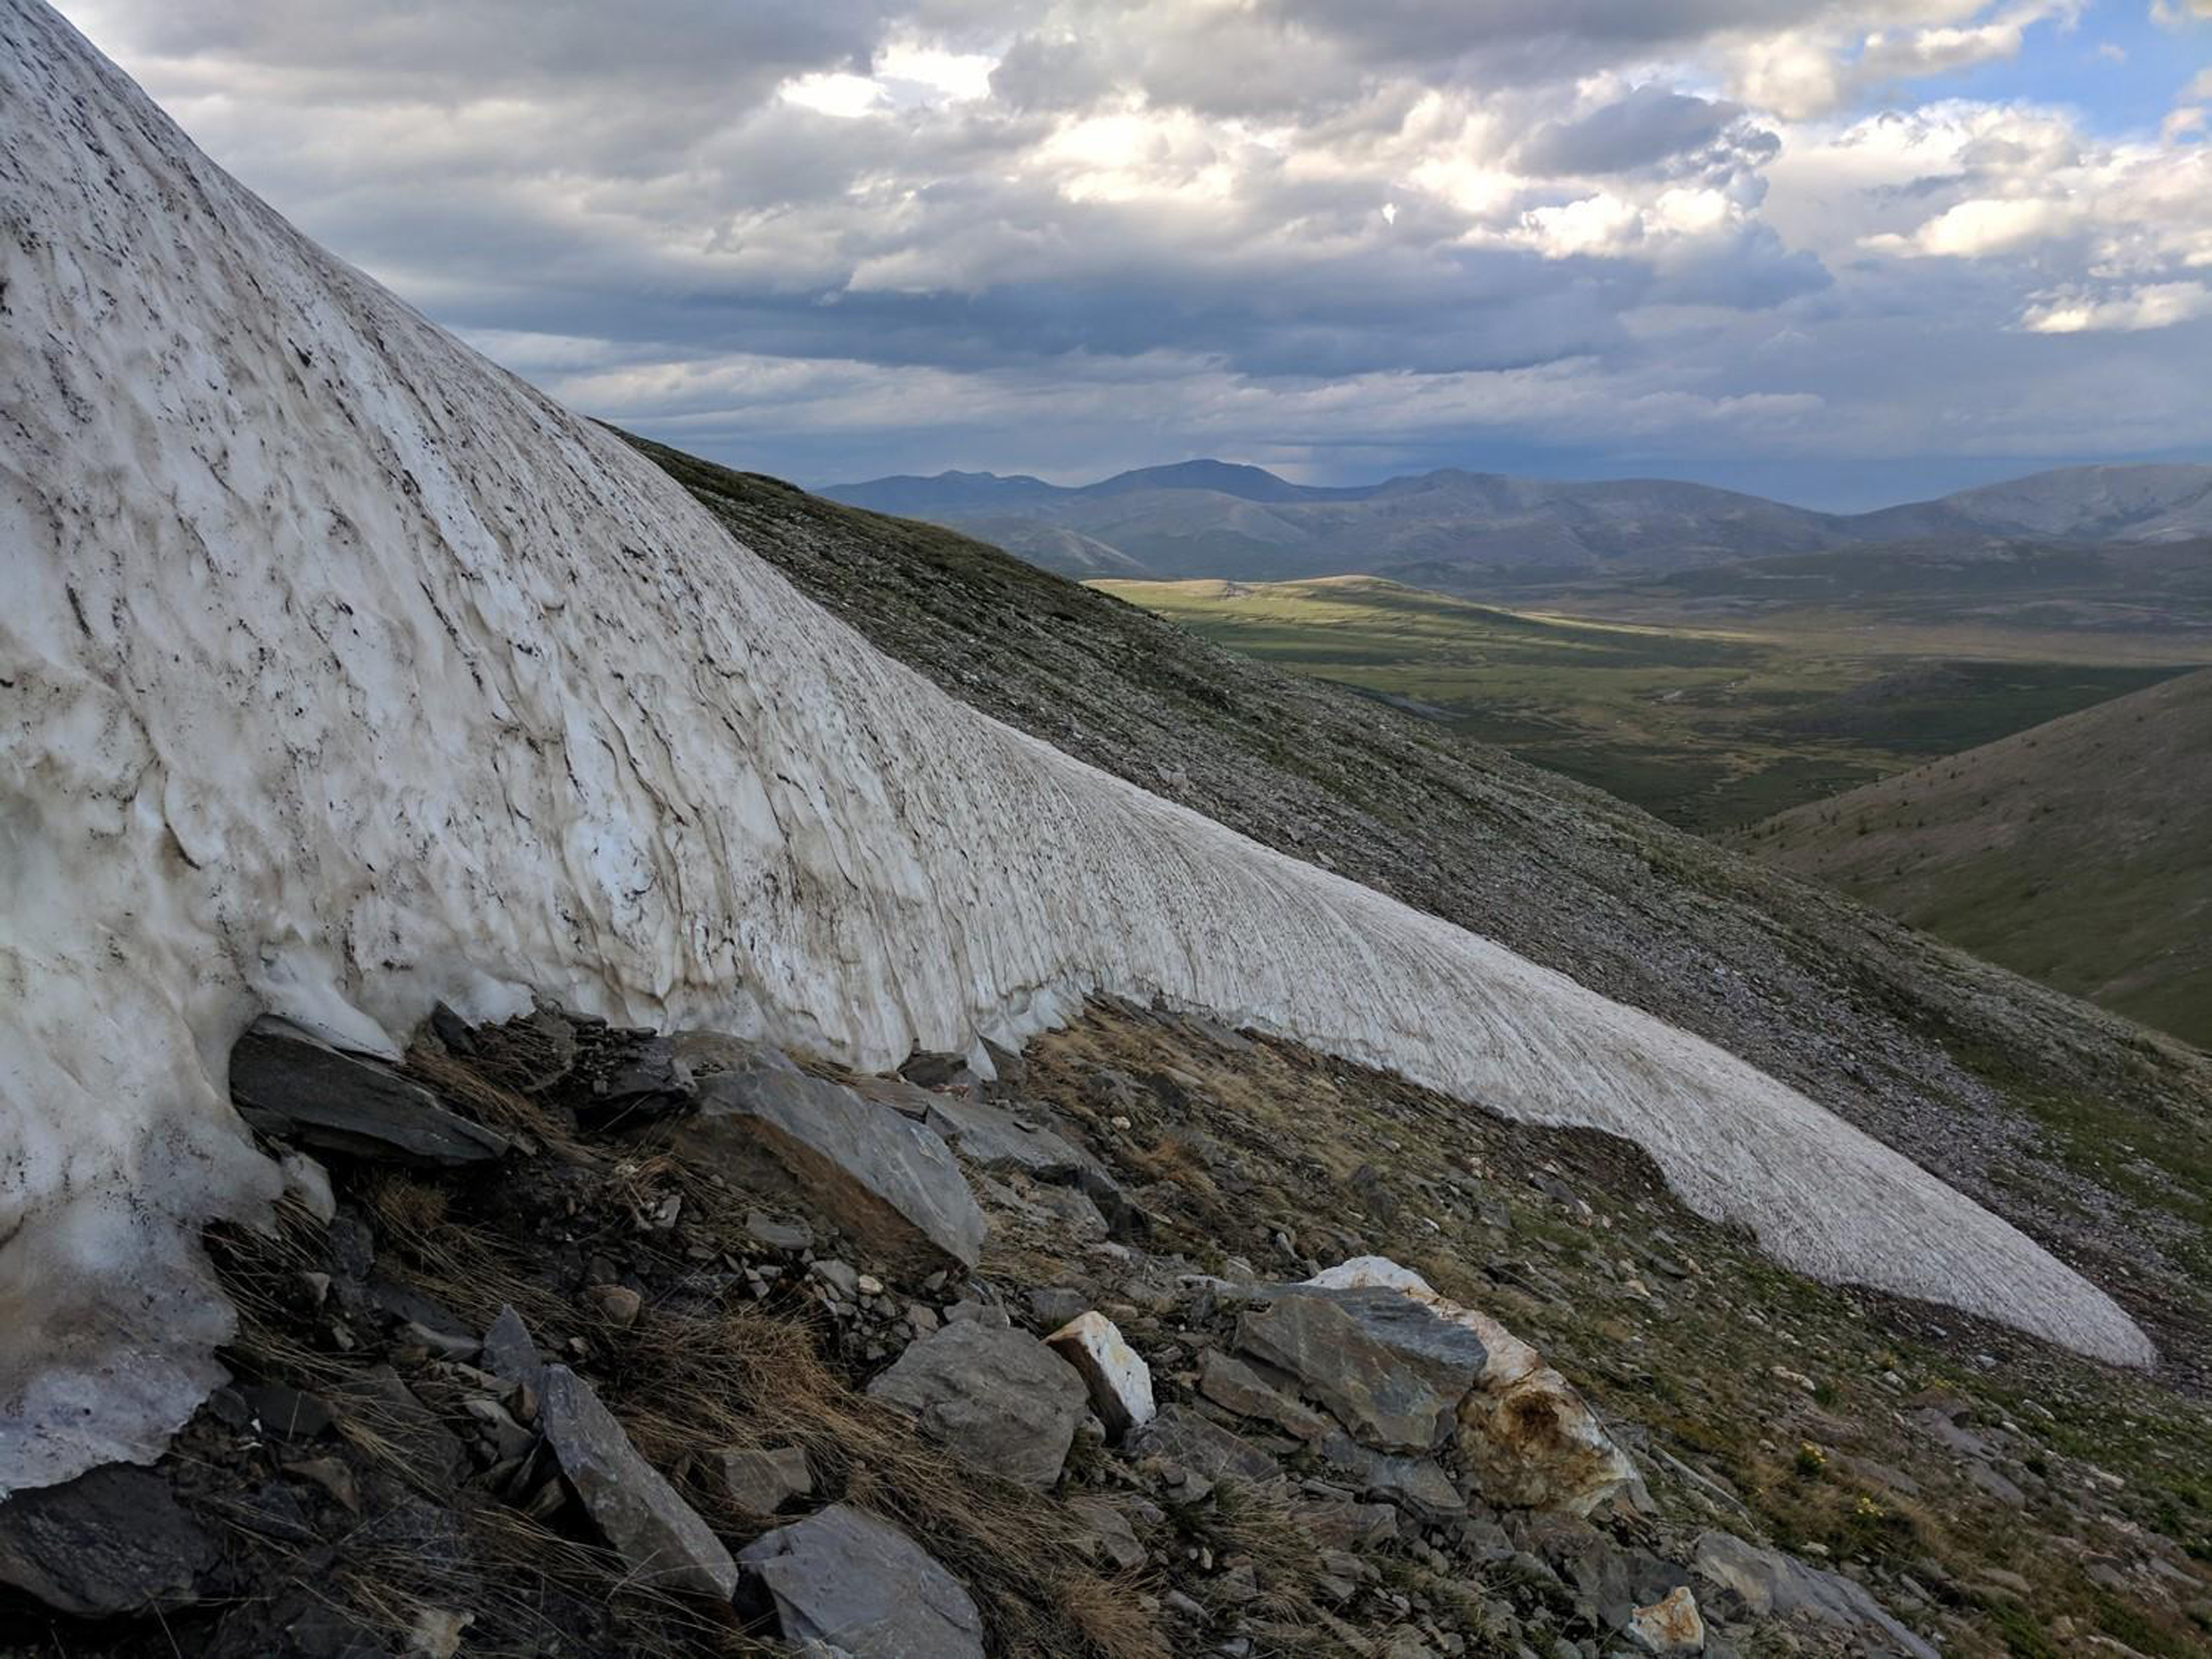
(341, 671)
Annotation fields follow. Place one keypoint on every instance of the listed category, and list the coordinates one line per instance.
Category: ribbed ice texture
(340, 671)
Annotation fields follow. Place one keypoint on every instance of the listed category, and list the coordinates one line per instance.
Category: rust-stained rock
(1670, 1625)
(1529, 1440)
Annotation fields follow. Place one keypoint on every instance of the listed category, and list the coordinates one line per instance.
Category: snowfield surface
(340, 671)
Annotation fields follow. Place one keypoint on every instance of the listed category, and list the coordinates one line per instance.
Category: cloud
(1971, 229)
(1648, 128)
(2157, 305)
(1007, 232)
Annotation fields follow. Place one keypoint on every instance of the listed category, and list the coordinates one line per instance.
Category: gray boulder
(847, 1582)
(1773, 1585)
(658, 1535)
(998, 1396)
(1182, 1436)
(1448, 1355)
(887, 1182)
(508, 1352)
(112, 1541)
(1368, 1387)
(289, 1085)
(1231, 1384)
(761, 1482)
(993, 1137)
(1417, 1485)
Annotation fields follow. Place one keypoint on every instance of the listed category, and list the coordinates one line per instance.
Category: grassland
(2078, 852)
(1708, 725)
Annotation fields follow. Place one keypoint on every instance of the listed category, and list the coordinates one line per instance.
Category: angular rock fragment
(1120, 1381)
(1365, 1386)
(1112, 1540)
(848, 1582)
(907, 1099)
(998, 1396)
(1534, 1443)
(659, 1537)
(1670, 1625)
(1772, 1584)
(993, 1137)
(643, 1077)
(1417, 1485)
(284, 1411)
(112, 1541)
(888, 1182)
(708, 1053)
(291, 1087)
(508, 1352)
(1231, 1384)
(1529, 1440)
(1181, 1435)
(761, 1482)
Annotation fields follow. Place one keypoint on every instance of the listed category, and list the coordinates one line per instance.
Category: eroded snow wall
(340, 671)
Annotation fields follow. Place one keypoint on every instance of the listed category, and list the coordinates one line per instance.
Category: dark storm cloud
(1650, 126)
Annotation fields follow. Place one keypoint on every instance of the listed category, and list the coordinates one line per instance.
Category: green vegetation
(1707, 726)
(2078, 852)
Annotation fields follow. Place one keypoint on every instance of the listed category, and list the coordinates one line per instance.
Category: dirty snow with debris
(341, 671)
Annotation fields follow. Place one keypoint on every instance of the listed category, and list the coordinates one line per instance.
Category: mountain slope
(2145, 503)
(1474, 530)
(2079, 853)
(347, 674)
(2013, 1092)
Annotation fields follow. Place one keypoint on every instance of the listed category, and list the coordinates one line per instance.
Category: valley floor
(1708, 718)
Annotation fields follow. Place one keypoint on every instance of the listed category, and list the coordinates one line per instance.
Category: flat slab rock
(1772, 1584)
(858, 1585)
(889, 1181)
(112, 1541)
(997, 1139)
(998, 1396)
(760, 1481)
(1384, 1402)
(1182, 1436)
(301, 1090)
(661, 1537)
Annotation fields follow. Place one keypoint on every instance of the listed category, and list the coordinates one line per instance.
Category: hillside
(1710, 722)
(559, 1098)
(531, 722)
(1488, 532)
(2078, 853)
(2019, 1095)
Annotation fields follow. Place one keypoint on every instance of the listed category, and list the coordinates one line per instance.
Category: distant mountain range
(1477, 532)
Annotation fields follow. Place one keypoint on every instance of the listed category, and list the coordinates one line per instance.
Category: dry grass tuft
(480, 1095)
(746, 1378)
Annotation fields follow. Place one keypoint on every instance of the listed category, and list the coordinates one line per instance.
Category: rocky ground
(2091, 1135)
(1169, 1340)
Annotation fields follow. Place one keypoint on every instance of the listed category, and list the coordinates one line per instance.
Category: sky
(1841, 254)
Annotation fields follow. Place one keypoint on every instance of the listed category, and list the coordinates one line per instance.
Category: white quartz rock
(1119, 1381)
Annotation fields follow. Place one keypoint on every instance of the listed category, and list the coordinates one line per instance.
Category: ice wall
(340, 671)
